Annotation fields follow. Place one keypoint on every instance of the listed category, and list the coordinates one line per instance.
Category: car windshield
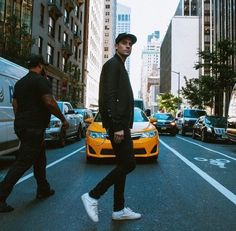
(139, 116)
(216, 121)
(194, 113)
(80, 111)
(59, 105)
(160, 116)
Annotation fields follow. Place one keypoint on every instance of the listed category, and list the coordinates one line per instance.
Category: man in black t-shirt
(33, 105)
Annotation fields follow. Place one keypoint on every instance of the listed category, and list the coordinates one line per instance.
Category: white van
(231, 120)
(9, 74)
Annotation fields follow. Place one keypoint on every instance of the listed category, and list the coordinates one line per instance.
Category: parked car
(144, 134)
(165, 123)
(231, 120)
(210, 128)
(54, 131)
(187, 118)
(84, 113)
(9, 74)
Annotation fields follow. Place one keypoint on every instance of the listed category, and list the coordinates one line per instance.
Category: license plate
(224, 136)
(163, 128)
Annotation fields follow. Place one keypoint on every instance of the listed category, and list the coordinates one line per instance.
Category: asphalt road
(191, 188)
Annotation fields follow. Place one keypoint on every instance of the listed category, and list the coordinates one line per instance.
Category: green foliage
(219, 75)
(169, 102)
(199, 92)
(15, 40)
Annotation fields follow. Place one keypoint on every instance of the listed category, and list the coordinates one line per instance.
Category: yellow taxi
(144, 135)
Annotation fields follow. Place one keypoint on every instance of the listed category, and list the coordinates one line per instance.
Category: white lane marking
(227, 193)
(208, 149)
(52, 164)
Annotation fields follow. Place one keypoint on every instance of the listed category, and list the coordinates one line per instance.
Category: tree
(169, 102)
(219, 64)
(199, 92)
(15, 40)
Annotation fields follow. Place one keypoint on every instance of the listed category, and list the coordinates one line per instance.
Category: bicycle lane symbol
(218, 162)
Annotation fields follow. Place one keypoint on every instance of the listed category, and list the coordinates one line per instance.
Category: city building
(57, 27)
(94, 53)
(123, 17)
(15, 29)
(109, 29)
(150, 71)
(179, 49)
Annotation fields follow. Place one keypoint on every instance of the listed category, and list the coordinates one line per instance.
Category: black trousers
(125, 163)
(31, 152)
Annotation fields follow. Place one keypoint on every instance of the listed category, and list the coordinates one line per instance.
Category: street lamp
(178, 73)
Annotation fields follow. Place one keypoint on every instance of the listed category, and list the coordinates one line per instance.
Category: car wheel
(62, 139)
(83, 133)
(194, 134)
(79, 133)
(203, 136)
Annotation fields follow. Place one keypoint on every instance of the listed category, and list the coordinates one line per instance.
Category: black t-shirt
(31, 111)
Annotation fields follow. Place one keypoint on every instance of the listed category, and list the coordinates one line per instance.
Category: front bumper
(52, 134)
(102, 148)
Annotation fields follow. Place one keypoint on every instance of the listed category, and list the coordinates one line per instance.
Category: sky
(146, 17)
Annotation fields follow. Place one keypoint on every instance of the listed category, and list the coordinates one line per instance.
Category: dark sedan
(210, 128)
(166, 123)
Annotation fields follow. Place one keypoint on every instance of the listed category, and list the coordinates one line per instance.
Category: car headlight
(97, 135)
(149, 134)
(55, 124)
(172, 123)
(209, 129)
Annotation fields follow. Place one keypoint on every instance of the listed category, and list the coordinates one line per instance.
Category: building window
(50, 51)
(51, 27)
(79, 54)
(65, 38)
(81, 17)
(76, 52)
(66, 16)
(72, 24)
(77, 11)
(58, 59)
(76, 29)
(40, 45)
(41, 14)
(64, 64)
(107, 6)
(59, 33)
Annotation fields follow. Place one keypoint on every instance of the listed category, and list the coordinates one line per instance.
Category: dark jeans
(31, 152)
(125, 163)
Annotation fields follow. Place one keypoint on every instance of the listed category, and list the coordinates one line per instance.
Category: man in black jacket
(116, 107)
(33, 104)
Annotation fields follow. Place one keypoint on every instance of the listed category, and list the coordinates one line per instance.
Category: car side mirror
(152, 120)
(147, 112)
(88, 120)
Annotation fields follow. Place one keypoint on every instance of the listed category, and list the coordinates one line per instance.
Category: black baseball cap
(126, 35)
(35, 60)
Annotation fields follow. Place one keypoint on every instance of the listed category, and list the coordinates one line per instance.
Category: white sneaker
(91, 206)
(125, 214)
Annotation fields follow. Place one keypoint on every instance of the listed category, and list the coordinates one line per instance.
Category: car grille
(137, 151)
(163, 123)
(219, 131)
